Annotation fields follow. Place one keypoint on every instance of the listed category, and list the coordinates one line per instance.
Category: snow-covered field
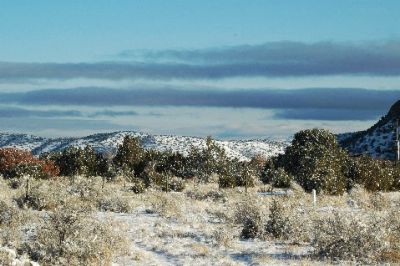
(203, 224)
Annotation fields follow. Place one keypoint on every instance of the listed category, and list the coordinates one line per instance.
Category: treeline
(314, 160)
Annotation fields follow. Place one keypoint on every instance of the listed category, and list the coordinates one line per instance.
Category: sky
(227, 68)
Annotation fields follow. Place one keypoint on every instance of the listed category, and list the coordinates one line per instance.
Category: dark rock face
(394, 111)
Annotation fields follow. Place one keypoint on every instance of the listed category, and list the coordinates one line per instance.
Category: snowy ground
(199, 226)
(178, 229)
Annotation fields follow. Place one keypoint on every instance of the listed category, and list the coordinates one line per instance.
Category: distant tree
(203, 163)
(76, 161)
(131, 154)
(90, 161)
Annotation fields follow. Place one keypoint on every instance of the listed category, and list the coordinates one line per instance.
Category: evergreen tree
(316, 161)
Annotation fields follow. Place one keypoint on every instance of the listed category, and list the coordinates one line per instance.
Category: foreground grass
(70, 222)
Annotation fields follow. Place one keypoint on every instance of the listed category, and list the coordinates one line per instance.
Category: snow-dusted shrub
(222, 237)
(278, 224)
(114, 203)
(379, 202)
(226, 181)
(6, 257)
(137, 185)
(88, 189)
(347, 236)
(166, 205)
(249, 215)
(10, 220)
(316, 161)
(171, 183)
(278, 178)
(72, 236)
(213, 195)
(375, 175)
(43, 195)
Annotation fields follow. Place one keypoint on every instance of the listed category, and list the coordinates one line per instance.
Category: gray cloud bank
(338, 104)
(16, 112)
(280, 59)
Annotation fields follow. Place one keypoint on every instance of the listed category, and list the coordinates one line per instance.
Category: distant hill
(241, 149)
(377, 141)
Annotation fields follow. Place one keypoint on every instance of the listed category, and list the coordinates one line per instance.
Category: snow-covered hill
(377, 141)
(241, 149)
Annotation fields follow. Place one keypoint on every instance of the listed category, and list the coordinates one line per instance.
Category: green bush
(374, 175)
(249, 216)
(278, 224)
(278, 178)
(138, 186)
(172, 183)
(316, 161)
(226, 181)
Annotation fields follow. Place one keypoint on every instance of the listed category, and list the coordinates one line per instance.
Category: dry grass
(201, 225)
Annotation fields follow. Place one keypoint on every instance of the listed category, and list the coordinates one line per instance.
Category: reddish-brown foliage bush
(11, 157)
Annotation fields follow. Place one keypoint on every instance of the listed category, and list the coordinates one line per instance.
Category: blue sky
(191, 67)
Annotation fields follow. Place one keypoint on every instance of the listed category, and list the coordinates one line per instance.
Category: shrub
(138, 186)
(249, 216)
(76, 161)
(10, 220)
(374, 175)
(87, 189)
(131, 153)
(172, 183)
(17, 163)
(166, 205)
(45, 195)
(350, 237)
(72, 236)
(226, 181)
(316, 161)
(114, 204)
(278, 224)
(204, 163)
(278, 178)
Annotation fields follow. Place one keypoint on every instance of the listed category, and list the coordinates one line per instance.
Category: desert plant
(137, 185)
(10, 221)
(114, 203)
(172, 183)
(278, 224)
(278, 178)
(316, 161)
(43, 195)
(131, 153)
(71, 236)
(350, 237)
(249, 216)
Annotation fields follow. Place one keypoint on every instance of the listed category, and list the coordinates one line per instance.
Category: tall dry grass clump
(71, 235)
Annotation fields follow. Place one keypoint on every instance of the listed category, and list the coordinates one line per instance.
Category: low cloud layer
(323, 98)
(280, 59)
(15, 112)
(328, 114)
